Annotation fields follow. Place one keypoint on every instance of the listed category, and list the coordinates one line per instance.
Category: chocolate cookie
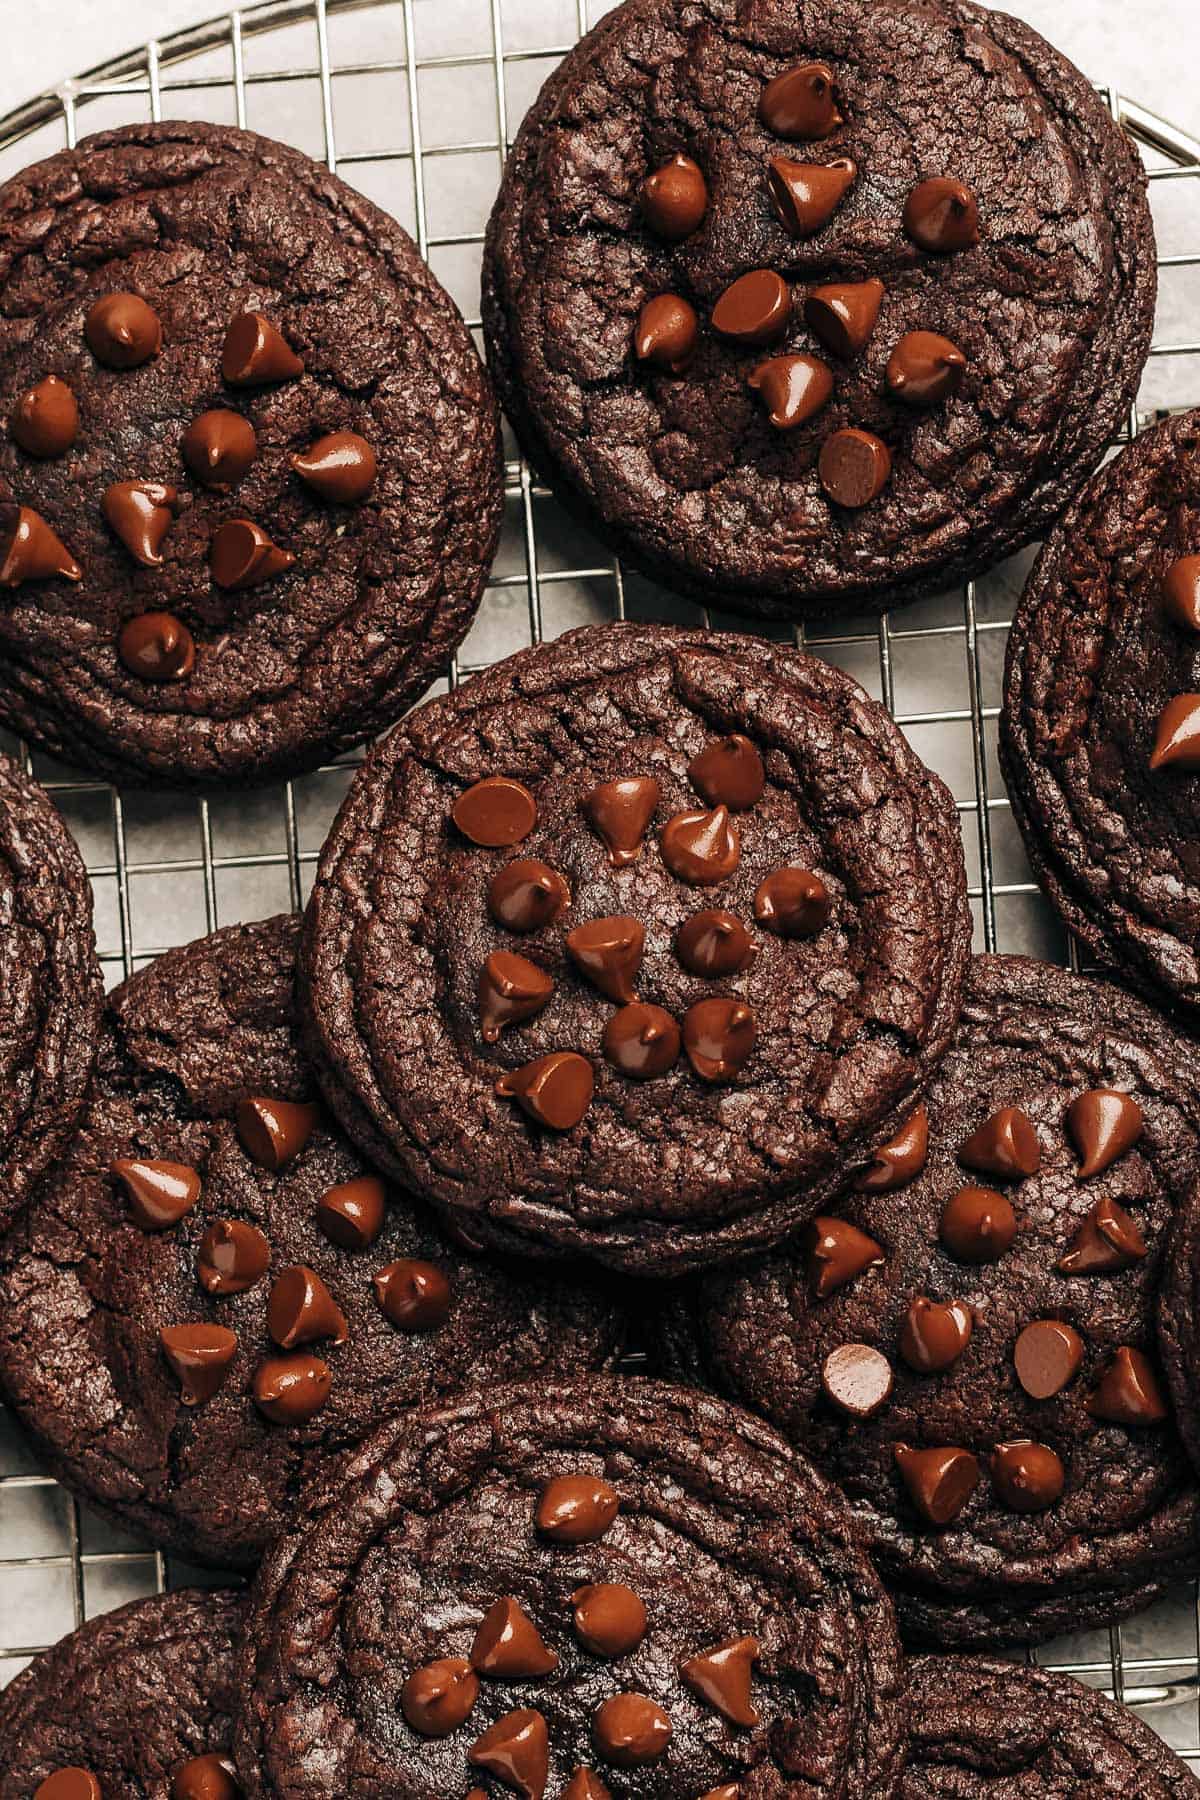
(135, 1705)
(249, 482)
(810, 308)
(1100, 730)
(50, 986)
(212, 1290)
(1179, 1321)
(633, 945)
(569, 1589)
(968, 1347)
(981, 1727)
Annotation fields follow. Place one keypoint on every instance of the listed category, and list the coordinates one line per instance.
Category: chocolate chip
(584, 1784)
(609, 952)
(844, 314)
(935, 1334)
(940, 1481)
(508, 1645)
(1104, 1123)
(242, 555)
(793, 903)
(925, 369)
(200, 1355)
(511, 989)
(45, 420)
(855, 467)
(1027, 1477)
(301, 1310)
(516, 1750)
(667, 334)
(792, 388)
(806, 195)
(642, 1041)
(219, 448)
(351, 1214)
(159, 1193)
(719, 1036)
(1107, 1240)
(755, 309)
(289, 1390)
(978, 1225)
(69, 1784)
(156, 646)
(527, 895)
(675, 199)
(714, 943)
(414, 1295)
(837, 1251)
(122, 331)
(141, 513)
(1176, 736)
(610, 1620)
(801, 103)
(555, 1090)
(1181, 590)
(729, 772)
(857, 1379)
(722, 1676)
(438, 1698)
(206, 1778)
(340, 467)
(620, 811)
(495, 812)
(274, 1132)
(942, 215)
(254, 353)
(631, 1730)
(1129, 1392)
(576, 1509)
(702, 848)
(1006, 1145)
(232, 1257)
(901, 1159)
(1047, 1356)
(30, 551)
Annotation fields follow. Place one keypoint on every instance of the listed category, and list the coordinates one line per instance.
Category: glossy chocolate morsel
(351, 1214)
(793, 903)
(667, 334)
(274, 1132)
(1103, 1124)
(122, 331)
(30, 550)
(290, 1390)
(1129, 1392)
(942, 215)
(1181, 592)
(793, 389)
(939, 1480)
(45, 420)
(141, 513)
(212, 1777)
(802, 103)
(610, 1619)
(340, 467)
(675, 199)
(219, 447)
(1027, 1476)
(642, 1041)
(978, 1225)
(806, 195)
(935, 1334)
(554, 1090)
(527, 895)
(495, 812)
(901, 1159)
(160, 1193)
(756, 309)
(836, 1252)
(1107, 1240)
(1047, 1357)
(1176, 735)
(729, 772)
(609, 952)
(924, 369)
(713, 944)
(438, 1698)
(576, 1509)
(156, 646)
(242, 555)
(414, 1295)
(844, 314)
(72, 1783)
(301, 1310)
(511, 989)
(702, 848)
(1005, 1145)
(855, 466)
(516, 1750)
(719, 1037)
(232, 1257)
(722, 1676)
(200, 1355)
(508, 1645)
(255, 352)
(620, 811)
(631, 1730)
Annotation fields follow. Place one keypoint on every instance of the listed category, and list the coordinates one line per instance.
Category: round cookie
(50, 982)
(593, 1586)
(633, 945)
(250, 478)
(212, 1291)
(997, 1419)
(141, 1700)
(1101, 721)
(981, 1727)
(811, 309)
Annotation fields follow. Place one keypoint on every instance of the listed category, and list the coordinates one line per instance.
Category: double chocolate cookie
(982, 1727)
(635, 944)
(812, 308)
(968, 1347)
(50, 986)
(211, 1291)
(1100, 729)
(135, 1705)
(606, 1587)
(250, 479)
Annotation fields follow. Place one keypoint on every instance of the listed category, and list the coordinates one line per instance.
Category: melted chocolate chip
(942, 215)
(69, 1784)
(702, 848)
(935, 1334)
(1047, 1357)
(719, 1036)
(156, 646)
(274, 1132)
(642, 1041)
(122, 331)
(45, 420)
(255, 353)
(667, 334)
(496, 812)
(837, 1251)
(1107, 1240)
(609, 952)
(301, 1310)
(511, 989)
(714, 943)
(857, 1379)
(806, 195)
(792, 388)
(555, 1090)
(1181, 590)
(855, 467)
(508, 1645)
(1104, 1123)
(340, 467)
(978, 1225)
(159, 1193)
(756, 309)
(584, 1784)
(415, 1296)
(940, 1481)
(620, 811)
(141, 513)
(527, 895)
(675, 199)
(801, 103)
(242, 555)
(925, 369)
(30, 551)
(793, 903)
(1129, 1392)
(516, 1750)
(1176, 736)
(232, 1257)
(901, 1159)
(351, 1214)
(1027, 1477)
(729, 772)
(1006, 1145)
(844, 314)
(219, 448)
(200, 1355)
(610, 1620)
(722, 1677)
(576, 1509)
(438, 1698)
(289, 1390)
(631, 1730)
(206, 1778)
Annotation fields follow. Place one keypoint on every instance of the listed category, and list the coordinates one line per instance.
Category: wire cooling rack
(415, 103)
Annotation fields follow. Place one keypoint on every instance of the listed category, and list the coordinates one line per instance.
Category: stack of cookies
(642, 1312)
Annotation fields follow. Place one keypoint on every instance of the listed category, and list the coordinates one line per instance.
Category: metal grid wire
(400, 76)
